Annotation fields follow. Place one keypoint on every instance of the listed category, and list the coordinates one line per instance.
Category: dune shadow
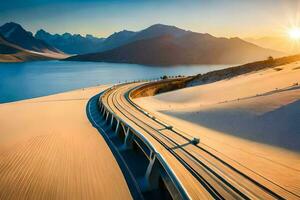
(280, 127)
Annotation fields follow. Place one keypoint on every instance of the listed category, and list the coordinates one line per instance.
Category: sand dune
(252, 119)
(49, 150)
(24, 56)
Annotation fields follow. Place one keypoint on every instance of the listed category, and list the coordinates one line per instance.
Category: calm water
(33, 79)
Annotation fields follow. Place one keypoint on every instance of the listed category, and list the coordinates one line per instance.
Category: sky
(222, 18)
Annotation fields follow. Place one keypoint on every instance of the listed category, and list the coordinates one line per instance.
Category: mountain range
(15, 34)
(168, 45)
(71, 44)
(18, 45)
(125, 37)
(77, 44)
(156, 45)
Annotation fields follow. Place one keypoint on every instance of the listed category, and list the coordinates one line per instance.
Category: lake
(33, 79)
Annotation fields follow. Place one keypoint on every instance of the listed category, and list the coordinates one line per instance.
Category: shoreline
(56, 93)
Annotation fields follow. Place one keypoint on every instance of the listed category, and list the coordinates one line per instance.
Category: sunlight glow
(294, 33)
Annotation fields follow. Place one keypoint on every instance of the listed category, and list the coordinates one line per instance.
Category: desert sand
(49, 150)
(253, 120)
(50, 54)
(26, 55)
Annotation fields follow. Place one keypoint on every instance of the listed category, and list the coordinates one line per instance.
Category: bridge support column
(103, 112)
(151, 179)
(128, 139)
(112, 120)
(107, 114)
(101, 108)
(117, 127)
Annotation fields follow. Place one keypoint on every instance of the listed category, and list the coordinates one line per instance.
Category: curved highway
(201, 171)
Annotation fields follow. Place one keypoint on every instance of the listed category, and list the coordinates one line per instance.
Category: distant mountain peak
(42, 31)
(11, 27)
(67, 35)
(16, 34)
(157, 30)
(163, 26)
(90, 36)
(123, 32)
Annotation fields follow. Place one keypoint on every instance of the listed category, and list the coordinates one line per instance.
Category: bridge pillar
(151, 179)
(124, 129)
(101, 108)
(128, 139)
(112, 120)
(117, 127)
(103, 112)
(107, 114)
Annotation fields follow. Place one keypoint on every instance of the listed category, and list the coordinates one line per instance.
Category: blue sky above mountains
(227, 18)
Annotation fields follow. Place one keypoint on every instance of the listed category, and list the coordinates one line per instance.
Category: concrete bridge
(145, 170)
(159, 162)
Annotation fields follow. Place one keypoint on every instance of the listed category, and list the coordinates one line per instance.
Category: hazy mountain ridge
(157, 30)
(77, 44)
(277, 43)
(136, 52)
(117, 39)
(156, 45)
(166, 45)
(71, 43)
(125, 37)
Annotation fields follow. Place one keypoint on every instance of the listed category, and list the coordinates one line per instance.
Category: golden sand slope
(49, 150)
(248, 119)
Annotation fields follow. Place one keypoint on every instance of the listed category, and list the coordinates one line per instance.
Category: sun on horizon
(294, 33)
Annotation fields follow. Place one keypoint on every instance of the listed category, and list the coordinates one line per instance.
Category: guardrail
(192, 139)
(154, 156)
